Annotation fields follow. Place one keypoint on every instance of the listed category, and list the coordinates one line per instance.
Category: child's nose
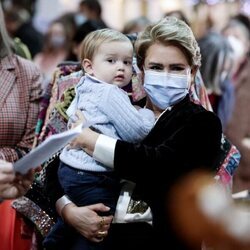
(121, 66)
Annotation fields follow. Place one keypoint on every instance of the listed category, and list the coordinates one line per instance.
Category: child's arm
(131, 124)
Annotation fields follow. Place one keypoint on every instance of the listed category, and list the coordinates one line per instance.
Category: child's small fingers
(79, 114)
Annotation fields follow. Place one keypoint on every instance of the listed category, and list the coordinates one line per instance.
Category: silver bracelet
(61, 203)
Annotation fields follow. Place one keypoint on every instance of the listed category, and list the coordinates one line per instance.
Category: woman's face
(56, 34)
(168, 59)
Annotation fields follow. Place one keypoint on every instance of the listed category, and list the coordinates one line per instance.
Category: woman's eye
(178, 69)
(156, 68)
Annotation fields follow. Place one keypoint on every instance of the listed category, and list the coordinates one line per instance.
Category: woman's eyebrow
(155, 64)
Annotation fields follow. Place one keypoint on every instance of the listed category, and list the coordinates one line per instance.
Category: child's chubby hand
(78, 119)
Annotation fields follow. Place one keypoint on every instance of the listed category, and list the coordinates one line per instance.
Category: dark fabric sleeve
(195, 144)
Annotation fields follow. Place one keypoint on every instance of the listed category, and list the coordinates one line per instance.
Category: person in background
(216, 71)
(13, 185)
(211, 214)
(106, 57)
(238, 129)
(237, 31)
(21, 49)
(178, 14)
(185, 136)
(135, 25)
(19, 106)
(92, 10)
(57, 46)
(19, 24)
(81, 32)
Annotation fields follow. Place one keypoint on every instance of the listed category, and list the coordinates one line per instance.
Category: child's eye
(111, 60)
(128, 62)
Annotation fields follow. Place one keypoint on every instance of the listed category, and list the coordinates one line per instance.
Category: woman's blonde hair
(94, 39)
(169, 31)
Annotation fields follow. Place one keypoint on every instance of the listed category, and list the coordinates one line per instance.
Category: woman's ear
(87, 66)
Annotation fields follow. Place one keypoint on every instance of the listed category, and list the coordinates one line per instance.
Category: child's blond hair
(94, 39)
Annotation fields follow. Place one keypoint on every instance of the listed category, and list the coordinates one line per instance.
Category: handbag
(36, 204)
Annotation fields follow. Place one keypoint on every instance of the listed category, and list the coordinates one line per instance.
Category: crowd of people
(114, 185)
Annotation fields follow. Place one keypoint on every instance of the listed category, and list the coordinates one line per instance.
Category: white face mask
(80, 19)
(57, 41)
(238, 47)
(164, 89)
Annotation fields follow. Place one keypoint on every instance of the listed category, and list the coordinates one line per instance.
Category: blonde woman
(184, 138)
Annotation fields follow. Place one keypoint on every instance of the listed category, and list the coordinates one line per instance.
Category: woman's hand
(86, 220)
(87, 139)
(13, 185)
(84, 137)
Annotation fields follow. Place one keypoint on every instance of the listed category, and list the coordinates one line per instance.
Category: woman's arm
(195, 143)
(99, 146)
(23, 130)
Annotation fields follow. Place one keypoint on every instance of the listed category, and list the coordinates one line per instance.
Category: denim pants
(83, 188)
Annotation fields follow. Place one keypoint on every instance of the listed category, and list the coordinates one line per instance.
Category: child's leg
(105, 189)
(87, 187)
(56, 237)
(83, 188)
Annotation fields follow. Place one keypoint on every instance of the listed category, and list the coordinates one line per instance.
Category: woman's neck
(156, 110)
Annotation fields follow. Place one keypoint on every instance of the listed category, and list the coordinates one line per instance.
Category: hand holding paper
(46, 149)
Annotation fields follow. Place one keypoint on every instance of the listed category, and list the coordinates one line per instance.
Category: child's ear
(87, 66)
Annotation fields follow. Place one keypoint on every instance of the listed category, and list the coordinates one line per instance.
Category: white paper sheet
(46, 149)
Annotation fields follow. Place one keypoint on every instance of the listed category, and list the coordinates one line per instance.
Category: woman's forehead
(165, 54)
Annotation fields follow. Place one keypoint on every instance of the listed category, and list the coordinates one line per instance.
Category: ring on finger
(101, 233)
(101, 223)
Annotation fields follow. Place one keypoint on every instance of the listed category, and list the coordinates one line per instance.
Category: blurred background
(115, 13)
(50, 32)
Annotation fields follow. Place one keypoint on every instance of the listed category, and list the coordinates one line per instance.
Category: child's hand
(79, 118)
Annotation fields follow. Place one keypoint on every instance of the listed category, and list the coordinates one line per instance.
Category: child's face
(112, 63)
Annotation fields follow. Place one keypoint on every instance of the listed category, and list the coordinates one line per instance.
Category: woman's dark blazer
(185, 138)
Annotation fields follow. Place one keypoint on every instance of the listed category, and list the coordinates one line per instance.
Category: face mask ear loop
(189, 78)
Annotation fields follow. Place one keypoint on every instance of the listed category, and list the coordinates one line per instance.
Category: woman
(238, 128)
(56, 49)
(216, 71)
(184, 138)
(19, 106)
